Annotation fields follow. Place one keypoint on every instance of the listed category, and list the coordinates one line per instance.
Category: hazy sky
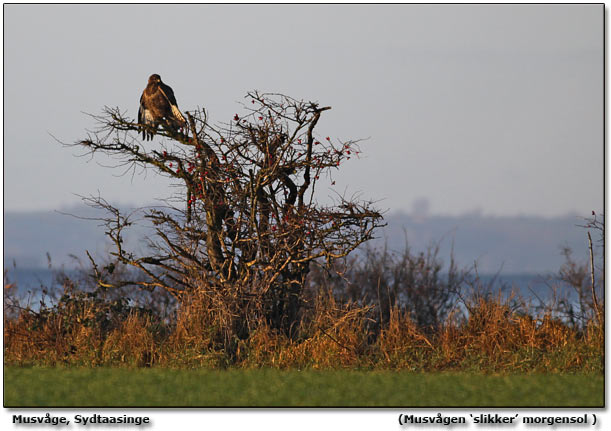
(496, 108)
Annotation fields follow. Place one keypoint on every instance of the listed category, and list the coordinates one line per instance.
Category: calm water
(31, 278)
(527, 285)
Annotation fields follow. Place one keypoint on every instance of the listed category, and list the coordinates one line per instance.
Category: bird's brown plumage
(158, 106)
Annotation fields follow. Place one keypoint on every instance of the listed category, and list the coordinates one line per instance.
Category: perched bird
(158, 106)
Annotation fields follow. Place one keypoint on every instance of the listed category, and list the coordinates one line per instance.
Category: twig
(592, 278)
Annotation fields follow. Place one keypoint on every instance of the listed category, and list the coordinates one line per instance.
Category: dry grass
(493, 337)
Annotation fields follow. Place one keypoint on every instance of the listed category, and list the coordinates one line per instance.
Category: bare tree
(245, 221)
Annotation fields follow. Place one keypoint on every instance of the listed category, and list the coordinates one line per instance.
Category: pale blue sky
(497, 108)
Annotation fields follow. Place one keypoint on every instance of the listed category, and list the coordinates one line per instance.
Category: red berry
(170, 164)
(260, 118)
(327, 138)
(235, 117)
(165, 154)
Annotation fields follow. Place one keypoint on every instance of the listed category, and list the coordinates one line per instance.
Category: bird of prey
(158, 106)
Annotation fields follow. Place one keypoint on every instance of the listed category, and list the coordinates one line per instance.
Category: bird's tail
(178, 116)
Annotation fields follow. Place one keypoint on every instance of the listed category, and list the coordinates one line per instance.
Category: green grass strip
(117, 387)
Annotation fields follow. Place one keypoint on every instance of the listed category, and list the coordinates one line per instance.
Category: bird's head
(154, 79)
